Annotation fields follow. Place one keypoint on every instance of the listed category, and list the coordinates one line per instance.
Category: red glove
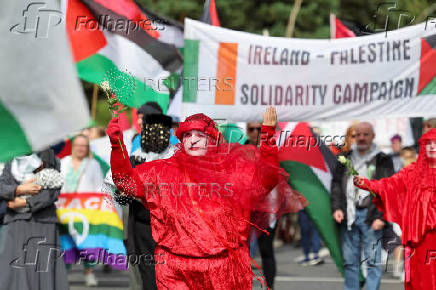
(362, 183)
(114, 131)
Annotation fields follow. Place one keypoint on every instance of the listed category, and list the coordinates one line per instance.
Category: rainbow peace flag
(90, 229)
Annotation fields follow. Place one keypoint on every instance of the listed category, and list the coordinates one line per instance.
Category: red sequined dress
(201, 206)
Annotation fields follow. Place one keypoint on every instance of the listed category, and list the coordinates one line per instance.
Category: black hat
(150, 108)
(165, 120)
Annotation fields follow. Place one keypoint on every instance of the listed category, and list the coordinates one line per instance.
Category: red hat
(199, 122)
(430, 135)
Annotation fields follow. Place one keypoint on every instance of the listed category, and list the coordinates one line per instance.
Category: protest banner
(235, 75)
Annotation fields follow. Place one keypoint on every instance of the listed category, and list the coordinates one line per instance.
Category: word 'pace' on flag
(378, 75)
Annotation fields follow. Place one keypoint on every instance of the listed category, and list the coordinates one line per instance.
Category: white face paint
(195, 143)
(430, 149)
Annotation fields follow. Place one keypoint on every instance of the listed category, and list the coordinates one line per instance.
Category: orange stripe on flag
(226, 74)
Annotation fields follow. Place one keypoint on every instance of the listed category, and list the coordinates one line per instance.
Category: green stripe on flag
(232, 133)
(190, 71)
(106, 230)
(13, 141)
(103, 165)
(303, 179)
(94, 69)
(430, 88)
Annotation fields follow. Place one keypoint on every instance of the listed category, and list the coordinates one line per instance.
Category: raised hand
(270, 117)
(113, 130)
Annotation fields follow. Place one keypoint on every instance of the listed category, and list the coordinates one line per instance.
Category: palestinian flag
(115, 41)
(427, 71)
(341, 28)
(89, 227)
(310, 166)
(210, 16)
(170, 31)
(41, 99)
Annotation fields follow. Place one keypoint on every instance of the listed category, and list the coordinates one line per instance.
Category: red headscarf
(199, 122)
(430, 135)
(422, 174)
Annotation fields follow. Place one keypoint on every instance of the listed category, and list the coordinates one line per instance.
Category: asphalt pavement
(290, 275)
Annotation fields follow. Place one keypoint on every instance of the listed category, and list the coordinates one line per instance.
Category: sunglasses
(251, 129)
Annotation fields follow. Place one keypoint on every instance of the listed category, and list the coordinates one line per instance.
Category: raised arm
(126, 179)
(269, 161)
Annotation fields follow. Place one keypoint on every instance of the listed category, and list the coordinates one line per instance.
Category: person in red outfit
(408, 198)
(200, 201)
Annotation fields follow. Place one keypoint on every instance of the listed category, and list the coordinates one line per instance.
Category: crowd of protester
(28, 208)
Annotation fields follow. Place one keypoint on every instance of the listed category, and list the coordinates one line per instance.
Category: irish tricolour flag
(310, 165)
(41, 100)
(115, 41)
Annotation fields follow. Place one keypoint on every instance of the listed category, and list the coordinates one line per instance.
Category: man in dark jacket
(361, 223)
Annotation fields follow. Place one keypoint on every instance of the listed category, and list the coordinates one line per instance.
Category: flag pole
(293, 18)
(94, 101)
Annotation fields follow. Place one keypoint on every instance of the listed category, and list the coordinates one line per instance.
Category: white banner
(235, 75)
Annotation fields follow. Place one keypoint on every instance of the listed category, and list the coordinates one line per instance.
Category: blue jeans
(310, 240)
(253, 244)
(361, 236)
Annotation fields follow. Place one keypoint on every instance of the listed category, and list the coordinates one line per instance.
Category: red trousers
(227, 271)
(423, 264)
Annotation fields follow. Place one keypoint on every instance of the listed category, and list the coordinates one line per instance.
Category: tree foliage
(312, 20)
(376, 13)
(254, 15)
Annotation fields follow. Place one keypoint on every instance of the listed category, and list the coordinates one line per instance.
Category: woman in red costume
(408, 198)
(201, 200)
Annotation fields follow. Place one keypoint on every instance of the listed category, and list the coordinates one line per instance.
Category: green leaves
(347, 163)
(255, 15)
(112, 100)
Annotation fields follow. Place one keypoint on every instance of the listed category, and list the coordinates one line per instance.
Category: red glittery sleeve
(126, 179)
